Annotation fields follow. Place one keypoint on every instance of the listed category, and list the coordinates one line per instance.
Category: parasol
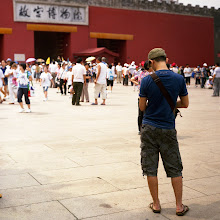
(29, 60)
(89, 59)
(39, 60)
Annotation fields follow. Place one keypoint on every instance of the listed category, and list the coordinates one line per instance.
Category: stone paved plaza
(65, 162)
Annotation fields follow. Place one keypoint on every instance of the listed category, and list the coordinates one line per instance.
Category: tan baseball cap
(156, 52)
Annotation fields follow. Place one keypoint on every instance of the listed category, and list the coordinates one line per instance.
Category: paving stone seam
(55, 183)
(120, 191)
(163, 203)
(13, 174)
(205, 162)
(67, 209)
(106, 163)
(109, 183)
(96, 154)
(73, 161)
(42, 170)
(102, 177)
(215, 194)
(7, 207)
(92, 165)
(32, 203)
(35, 179)
(201, 177)
(12, 158)
(195, 190)
(117, 212)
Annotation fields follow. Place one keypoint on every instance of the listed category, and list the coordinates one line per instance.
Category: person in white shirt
(11, 73)
(113, 69)
(100, 81)
(1, 84)
(174, 68)
(53, 70)
(119, 72)
(78, 79)
(187, 73)
(23, 79)
(85, 92)
(125, 72)
(33, 71)
(132, 68)
(45, 81)
(212, 70)
(110, 77)
(69, 76)
(216, 80)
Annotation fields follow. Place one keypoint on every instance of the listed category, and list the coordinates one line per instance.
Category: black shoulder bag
(165, 93)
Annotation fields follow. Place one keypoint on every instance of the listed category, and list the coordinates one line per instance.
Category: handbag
(166, 95)
(32, 91)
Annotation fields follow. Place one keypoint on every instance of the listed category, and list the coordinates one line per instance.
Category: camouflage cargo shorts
(155, 141)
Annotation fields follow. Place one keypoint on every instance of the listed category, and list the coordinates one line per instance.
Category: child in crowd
(45, 80)
(110, 77)
(69, 76)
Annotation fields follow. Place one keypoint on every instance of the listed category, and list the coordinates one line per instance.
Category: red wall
(21, 40)
(186, 39)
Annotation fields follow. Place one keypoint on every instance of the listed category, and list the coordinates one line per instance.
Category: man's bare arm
(183, 102)
(72, 79)
(98, 72)
(84, 76)
(143, 103)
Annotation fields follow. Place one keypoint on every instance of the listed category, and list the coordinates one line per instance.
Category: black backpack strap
(163, 90)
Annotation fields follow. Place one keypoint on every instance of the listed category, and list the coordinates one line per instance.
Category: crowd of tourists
(16, 80)
(162, 91)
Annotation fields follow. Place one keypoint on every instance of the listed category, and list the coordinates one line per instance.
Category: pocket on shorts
(172, 134)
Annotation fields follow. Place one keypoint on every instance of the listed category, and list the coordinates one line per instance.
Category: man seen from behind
(158, 135)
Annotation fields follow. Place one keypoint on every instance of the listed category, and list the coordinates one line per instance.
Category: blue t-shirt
(158, 112)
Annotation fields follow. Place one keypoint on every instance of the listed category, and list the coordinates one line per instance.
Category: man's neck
(161, 66)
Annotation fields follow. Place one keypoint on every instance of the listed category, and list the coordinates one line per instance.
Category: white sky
(209, 3)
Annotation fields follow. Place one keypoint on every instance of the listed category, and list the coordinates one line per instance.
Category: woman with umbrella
(31, 62)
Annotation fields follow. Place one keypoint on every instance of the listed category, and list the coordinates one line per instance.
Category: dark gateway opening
(117, 46)
(50, 44)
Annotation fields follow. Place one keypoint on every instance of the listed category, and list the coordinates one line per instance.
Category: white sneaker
(28, 111)
(21, 110)
(44, 99)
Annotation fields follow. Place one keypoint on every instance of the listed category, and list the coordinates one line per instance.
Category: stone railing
(154, 5)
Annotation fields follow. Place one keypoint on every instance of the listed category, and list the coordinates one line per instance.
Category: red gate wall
(186, 39)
